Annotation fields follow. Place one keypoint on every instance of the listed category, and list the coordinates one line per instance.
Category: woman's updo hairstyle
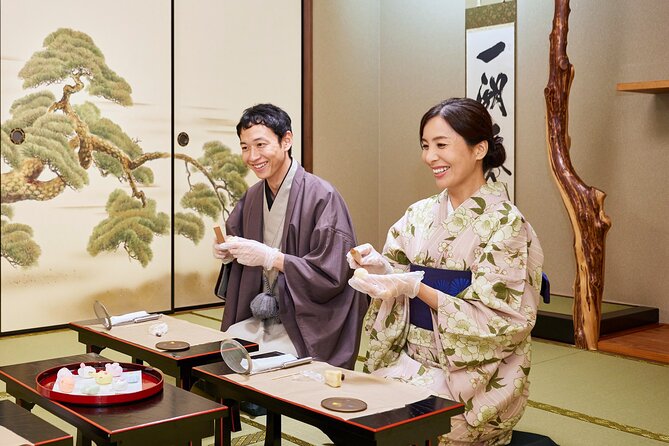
(472, 121)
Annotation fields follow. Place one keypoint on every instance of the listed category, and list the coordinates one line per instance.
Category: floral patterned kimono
(479, 353)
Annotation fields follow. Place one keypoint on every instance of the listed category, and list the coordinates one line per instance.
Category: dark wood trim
(560, 327)
(307, 86)
(650, 342)
(172, 147)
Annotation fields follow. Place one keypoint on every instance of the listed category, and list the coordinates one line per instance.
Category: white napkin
(128, 317)
(262, 364)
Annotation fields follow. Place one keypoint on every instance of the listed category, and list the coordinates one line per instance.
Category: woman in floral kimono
(475, 347)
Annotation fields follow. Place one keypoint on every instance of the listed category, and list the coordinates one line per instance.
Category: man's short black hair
(268, 115)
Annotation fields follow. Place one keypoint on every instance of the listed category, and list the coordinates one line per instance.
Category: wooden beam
(307, 86)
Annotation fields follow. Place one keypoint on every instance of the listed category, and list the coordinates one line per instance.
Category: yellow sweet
(333, 378)
(103, 377)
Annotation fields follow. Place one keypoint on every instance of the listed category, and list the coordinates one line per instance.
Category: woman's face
(454, 164)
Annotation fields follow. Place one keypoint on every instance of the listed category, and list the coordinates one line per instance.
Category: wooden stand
(585, 204)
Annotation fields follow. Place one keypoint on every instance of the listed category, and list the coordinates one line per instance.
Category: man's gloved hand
(370, 259)
(250, 252)
(221, 253)
(386, 286)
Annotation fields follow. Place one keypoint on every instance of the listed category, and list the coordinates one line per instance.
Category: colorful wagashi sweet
(333, 378)
(86, 371)
(360, 273)
(103, 377)
(119, 384)
(114, 369)
(66, 383)
(132, 377)
(91, 389)
(64, 371)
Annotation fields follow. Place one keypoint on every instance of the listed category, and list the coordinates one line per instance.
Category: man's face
(264, 153)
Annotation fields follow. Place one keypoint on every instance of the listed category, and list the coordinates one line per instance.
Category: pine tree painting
(49, 145)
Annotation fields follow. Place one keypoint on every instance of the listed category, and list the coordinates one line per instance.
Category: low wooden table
(177, 364)
(416, 423)
(173, 416)
(30, 427)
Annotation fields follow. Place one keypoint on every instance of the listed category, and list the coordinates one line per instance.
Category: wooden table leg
(82, 440)
(25, 404)
(233, 407)
(273, 429)
(184, 379)
(94, 349)
(223, 432)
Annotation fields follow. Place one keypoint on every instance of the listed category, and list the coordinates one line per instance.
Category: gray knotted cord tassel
(265, 305)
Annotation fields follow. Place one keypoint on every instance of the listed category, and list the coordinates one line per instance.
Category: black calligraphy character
(493, 93)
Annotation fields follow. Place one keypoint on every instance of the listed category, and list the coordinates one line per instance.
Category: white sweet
(119, 384)
(92, 389)
(132, 378)
(63, 372)
(333, 378)
(360, 273)
(158, 329)
(86, 371)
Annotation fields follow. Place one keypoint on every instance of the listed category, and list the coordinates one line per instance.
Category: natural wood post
(585, 204)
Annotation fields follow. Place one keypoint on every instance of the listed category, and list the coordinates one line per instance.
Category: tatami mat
(567, 431)
(564, 304)
(576, 397)
(618, 389)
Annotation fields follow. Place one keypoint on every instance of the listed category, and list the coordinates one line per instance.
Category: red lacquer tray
(152, 383)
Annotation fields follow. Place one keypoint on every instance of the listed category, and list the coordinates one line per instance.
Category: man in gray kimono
(285, 275)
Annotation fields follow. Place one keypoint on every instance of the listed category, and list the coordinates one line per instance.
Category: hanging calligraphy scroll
(490, 73)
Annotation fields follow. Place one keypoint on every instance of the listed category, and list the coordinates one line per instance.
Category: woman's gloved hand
(387, 286)
(365, 256)
(250, 252)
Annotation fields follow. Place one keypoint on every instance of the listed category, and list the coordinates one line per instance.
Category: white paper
(128, 317)
(262, 364)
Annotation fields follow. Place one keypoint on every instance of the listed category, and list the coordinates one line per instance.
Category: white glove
(372, 260)
(387, 286)
(251, 252)
(223, 254)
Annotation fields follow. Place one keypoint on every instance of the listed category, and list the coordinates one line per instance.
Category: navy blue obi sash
(447, 281)
(451, 282)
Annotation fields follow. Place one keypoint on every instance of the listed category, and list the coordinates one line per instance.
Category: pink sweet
(114, 369)
(66, 384)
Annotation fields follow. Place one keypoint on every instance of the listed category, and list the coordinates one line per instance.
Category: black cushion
(529, 439)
